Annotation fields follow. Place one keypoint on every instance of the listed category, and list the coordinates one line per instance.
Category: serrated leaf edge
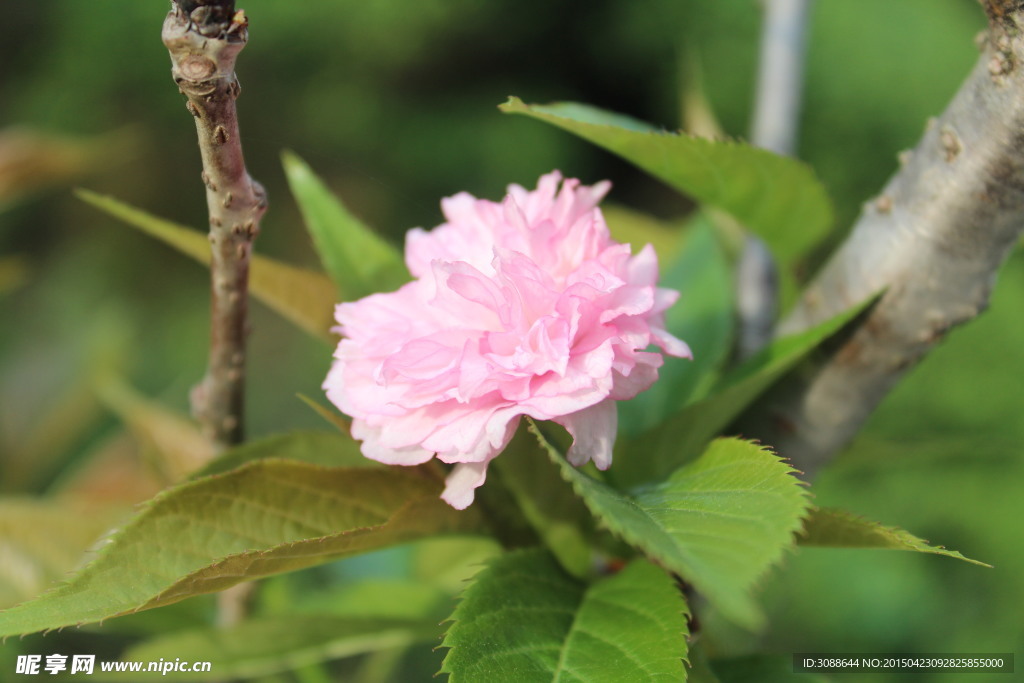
(107, 543)
(659, 558)
(898, 532)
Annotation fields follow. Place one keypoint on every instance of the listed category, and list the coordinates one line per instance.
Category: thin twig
(233, 604)
(776, 122)
(757, 296)
(934, 240)
(204, 37)
(780, 75)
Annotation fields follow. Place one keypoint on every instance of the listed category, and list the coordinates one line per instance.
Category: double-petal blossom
(523, 307)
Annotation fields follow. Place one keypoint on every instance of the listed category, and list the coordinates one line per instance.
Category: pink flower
(524, 307)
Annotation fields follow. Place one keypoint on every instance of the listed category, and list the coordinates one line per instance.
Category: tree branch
(780, 75)
(775, 127)
(204, 39)
(757, 296)
(933, 240)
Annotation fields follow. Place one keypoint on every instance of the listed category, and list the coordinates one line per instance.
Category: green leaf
(358, 260)
(703, 317)
(778, 198)
(316, 448)
(42, 540)
(300, 296)
(267, 645)
(548, 503)
(264, 518)
(585, 113)
(523, 619)
(448, 562)
(829, 527)
(681, 437)
(719, 522)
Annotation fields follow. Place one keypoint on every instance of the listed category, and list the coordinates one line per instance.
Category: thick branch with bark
(204, 37)
(933, 241)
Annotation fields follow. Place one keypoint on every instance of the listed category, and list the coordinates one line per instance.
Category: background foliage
(393, 103)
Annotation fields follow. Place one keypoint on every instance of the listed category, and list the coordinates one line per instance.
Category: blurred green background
(394, 103)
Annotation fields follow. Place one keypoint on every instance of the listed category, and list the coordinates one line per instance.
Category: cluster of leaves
(598, 575)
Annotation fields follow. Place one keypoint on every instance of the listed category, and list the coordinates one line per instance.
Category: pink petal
(520, 307)
(671, 345)
(474, 433)
(373, 448)
(462, 482)
(643, 268)
(627, 301)
(593, 432)
(640, 377)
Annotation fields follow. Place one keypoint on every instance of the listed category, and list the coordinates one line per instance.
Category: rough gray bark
(204, 38)
(933, 240)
